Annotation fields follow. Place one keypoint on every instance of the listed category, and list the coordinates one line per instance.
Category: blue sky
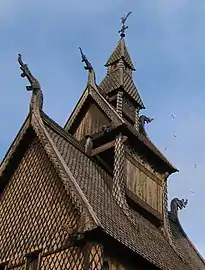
(166, 39)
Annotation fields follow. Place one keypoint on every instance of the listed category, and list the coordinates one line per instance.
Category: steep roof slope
(86, 184)
(184, 244)
(137, 234)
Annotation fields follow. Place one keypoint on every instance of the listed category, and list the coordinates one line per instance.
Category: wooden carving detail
(144, 187)
(88, 66)
(37, 95)
(177, 204)
(142, 120)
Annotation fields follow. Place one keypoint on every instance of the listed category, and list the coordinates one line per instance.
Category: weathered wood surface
(103, 148)
(92, 122)
(35, 210)
(142, 185)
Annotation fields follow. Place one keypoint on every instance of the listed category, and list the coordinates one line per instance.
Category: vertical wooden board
(160, 200)
(149, 192)
(137, 182)
(91, 122)
(153, 198)
(129, 174)
(143, 186)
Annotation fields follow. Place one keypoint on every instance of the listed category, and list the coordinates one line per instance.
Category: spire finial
(124, 27)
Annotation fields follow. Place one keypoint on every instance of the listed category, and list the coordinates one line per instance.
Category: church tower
(118, 86)
(107, 121)
(91, 195)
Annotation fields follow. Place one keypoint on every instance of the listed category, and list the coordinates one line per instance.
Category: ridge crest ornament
(177, 204)
(37, 95)
(88, 66)
(142, 120)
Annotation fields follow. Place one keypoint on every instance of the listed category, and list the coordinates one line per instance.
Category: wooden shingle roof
(136, 233)
(120, 52)
(91, 192)
(113, 82)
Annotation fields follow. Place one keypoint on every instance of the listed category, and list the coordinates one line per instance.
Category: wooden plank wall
(91, 123)
(142, 185)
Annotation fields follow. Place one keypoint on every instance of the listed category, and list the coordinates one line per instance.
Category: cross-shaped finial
(124, 27)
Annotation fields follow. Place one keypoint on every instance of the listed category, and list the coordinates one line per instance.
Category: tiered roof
(86, 182)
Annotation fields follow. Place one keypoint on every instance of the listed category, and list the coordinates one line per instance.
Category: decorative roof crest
(177, 204)
(37, 96)
(88, 66)
(124, 27)
(142, 120)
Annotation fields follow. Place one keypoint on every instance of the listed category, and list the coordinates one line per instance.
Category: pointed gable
(93, 119)
(96, 101)
(120, 52)
(52, 187)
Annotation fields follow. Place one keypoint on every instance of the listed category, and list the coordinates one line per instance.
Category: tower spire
(124, 27)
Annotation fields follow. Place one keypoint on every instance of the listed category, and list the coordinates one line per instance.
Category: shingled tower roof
(120, 52)
(117, 190)
(119, 74)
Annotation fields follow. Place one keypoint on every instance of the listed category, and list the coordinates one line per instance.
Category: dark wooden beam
(103, 147)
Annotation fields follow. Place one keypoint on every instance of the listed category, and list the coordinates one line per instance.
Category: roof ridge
(178, 223)
(75, 191)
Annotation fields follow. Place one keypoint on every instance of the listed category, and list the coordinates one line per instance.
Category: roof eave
(145, 141)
